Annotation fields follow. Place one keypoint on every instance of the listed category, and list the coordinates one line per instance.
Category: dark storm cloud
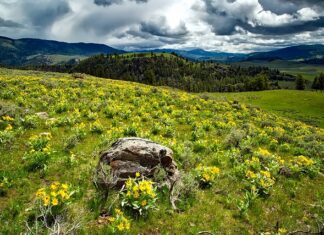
(290, 6)
(9, 23)
(279, 6)
(286, 28)
(111, 2)
(225, 20)
(159, 27)
(43, 13)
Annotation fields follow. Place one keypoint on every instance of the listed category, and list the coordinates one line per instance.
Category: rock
(130, 155)
(42, 115)
(78, 75)
(285, 171)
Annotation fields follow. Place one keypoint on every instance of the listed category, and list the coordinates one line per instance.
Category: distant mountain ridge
(38, 51)
(201, 55)
(297, 53)
(28, 51)
(302, 53)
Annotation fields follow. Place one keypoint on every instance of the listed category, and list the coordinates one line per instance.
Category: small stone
(42, 115)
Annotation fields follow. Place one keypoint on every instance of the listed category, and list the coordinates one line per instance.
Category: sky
(215, 25)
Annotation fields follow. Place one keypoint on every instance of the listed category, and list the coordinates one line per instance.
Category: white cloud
(223, 25)
(307, 14)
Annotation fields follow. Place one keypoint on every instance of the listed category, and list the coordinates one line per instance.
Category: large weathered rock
(130, 155)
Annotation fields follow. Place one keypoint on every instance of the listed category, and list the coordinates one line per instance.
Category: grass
(306, 106)
(295, 68)
(227, 135)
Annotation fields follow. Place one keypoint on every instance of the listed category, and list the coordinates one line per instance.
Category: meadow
(244, 170)
(308, 71)
(305, 106)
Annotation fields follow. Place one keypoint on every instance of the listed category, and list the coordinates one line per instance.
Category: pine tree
(300, 83)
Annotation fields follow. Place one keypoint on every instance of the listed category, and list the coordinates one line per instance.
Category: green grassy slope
(87, 115)
(307, 71)
(307, 106)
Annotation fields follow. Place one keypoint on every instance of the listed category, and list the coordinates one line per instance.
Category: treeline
(175, 71)
(318, 83)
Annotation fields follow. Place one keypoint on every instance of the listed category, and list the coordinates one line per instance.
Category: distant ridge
(30, 51)
(300, 53)
(202, 55)
(38, 51)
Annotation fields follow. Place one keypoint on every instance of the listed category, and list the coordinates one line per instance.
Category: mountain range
(37, 51)
(27, 51)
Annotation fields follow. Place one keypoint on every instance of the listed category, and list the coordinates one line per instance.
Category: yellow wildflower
(54, 202)
(127, 225)
(121, 227)
(136, 194)
(118, 212)
(135, 188)
(250, 174)
(7, 118)
(215, 170)
(304, 161)
(46, 200)
(55, 185)
(282, 230)
(265, 173)
(63, 194)
(129, 183)
(144, 203)
(137, 174)
(9, 127)
(264, 152)
(40, 192)
(206, 176)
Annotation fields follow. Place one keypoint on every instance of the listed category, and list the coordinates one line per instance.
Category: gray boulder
(130, 155)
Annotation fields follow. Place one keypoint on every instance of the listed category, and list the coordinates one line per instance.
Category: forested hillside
(174, 71)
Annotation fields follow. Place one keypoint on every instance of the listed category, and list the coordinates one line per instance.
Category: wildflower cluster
(261, 181)
(280, 231)
(97, 127)
(6, 123)
(303, 165)
(56, 195)
(259, 171)
(39, 151)
(80, 130)
(119, 224)
(140, 195)
(207, 175)
(263, 153)
(61, 106)
(6, 129)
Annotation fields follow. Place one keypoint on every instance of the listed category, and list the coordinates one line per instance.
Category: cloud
(43, 13)
(159, 27)
(9, 23)
(111, 2)
(222, 25)
(230, 17)
(286, 29)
